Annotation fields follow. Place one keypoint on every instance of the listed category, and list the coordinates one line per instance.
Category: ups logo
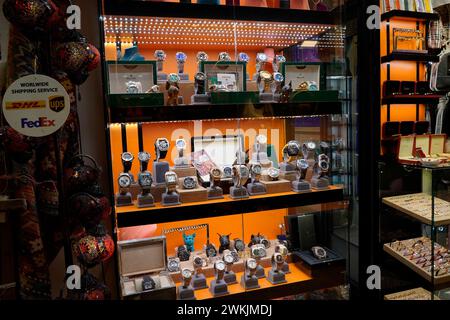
(56, 103)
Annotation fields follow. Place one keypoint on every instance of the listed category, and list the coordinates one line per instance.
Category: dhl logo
(17, 105)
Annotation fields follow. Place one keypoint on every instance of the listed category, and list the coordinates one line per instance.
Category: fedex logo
(39, 123)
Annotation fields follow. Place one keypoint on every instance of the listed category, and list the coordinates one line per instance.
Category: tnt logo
(56, 103)
(39, 123)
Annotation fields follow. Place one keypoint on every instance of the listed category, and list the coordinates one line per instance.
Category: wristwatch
(228, 258)
(302, 166)
(134, 87)
(173, 79)
(198, 264)
(324, 147)
(258, 251)
(181, 59)
(255, 170)
(227, 172)
(319, 252)
(264, 242)
(243, 57)
(273, 173)
(144, 159)
(279, 59)
(189, 183)
(145, 181)
(215, 176)
(210, 250)
(240, 175)
(173, 265)
(308, 148)
(181, 147)
(186, 275)
(148, 283)
(240, 157)
(235, 255)
(261, 58)
(282, 249)
(278, 79)
(200, 79)
(161, 148)
(160, 55)
(125, 181)
(201, 57)
(291, 151)
(239, 245)
(219, 267)
(183, 254)
(224, 56)
(171, 181)
(127, 161)
(264, 79)
(261, 143)
(324, 165)
(277, 261)
(251, 265)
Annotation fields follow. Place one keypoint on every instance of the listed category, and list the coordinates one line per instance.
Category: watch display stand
(286, 269)
(124, 199)
(230, 277)
(199, 281)
(276, 277)
(238, 193)
(301, 186)
(183, 77)
(265, 97)
(249, 282)
(218, 288)
(260, 272)
(276, 97)
(288, 171)
(162, 77)
(181, 163)
(183, 172)
(186, 293)
(278, 186)
(320, 183)
(145, 200)
(200, 99)
(256, 188)
(192, 195)
(215, 192)
(170, 199)
(159, 170)
(157, 191)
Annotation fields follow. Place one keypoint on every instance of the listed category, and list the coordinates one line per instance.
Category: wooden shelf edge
(409, 15)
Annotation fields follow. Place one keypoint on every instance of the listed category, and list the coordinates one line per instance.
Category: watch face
(211, 251)
(282, 249)
(273, 172)
(160, 55)
(132, 88)
(173, 265)
(256, 169)
(186, 273)
(323, 164)
(216, 173)
(144, 156)
(278, 77)
(145, 179)
(265, 75)
(280, 58)
(200, 76)
(293, 148)
(228, 258)
(181, 144)
(219, 265)
(227, 172)
(243, 57)
(244, 171)
(261, 57)
(261, 139)
(173, 78)
(311, 145)
(252, 264)
(171, 177)
(181, 56)
(202, 56)
(302, 164)
(278, 257)
(239, 245)
(189, 183)
(163, 144)
(198, 262)
(124, 181)
(127, 156)
(224, 56)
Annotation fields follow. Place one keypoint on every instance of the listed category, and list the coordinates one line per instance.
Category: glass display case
(232, 173)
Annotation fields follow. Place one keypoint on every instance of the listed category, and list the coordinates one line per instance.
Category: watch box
(229, 74)
(191, 195)
(406, 150)
(408, 87)
(407, 128)
(423, 142)
(390, 129)
(437, 145)
(423, 87)
(297, 73)
(391, 88)
(421, 127)
(141, 258)
(129, 81)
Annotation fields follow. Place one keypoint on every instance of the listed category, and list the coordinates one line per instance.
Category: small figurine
(286, 93)
(224, 242)
(173, 89)
(189, 241)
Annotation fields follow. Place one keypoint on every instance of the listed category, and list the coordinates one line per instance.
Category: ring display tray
(413, 294)
(419, 207)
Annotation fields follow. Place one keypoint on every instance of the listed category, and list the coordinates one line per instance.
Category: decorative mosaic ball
(80, 77)
(106, 207)
(94, 57)
(31, 16)
(81, 175)
(72, 57)
(86, 209)
(94, 249)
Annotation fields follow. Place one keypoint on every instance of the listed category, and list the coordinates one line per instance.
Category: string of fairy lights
(185, 32)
